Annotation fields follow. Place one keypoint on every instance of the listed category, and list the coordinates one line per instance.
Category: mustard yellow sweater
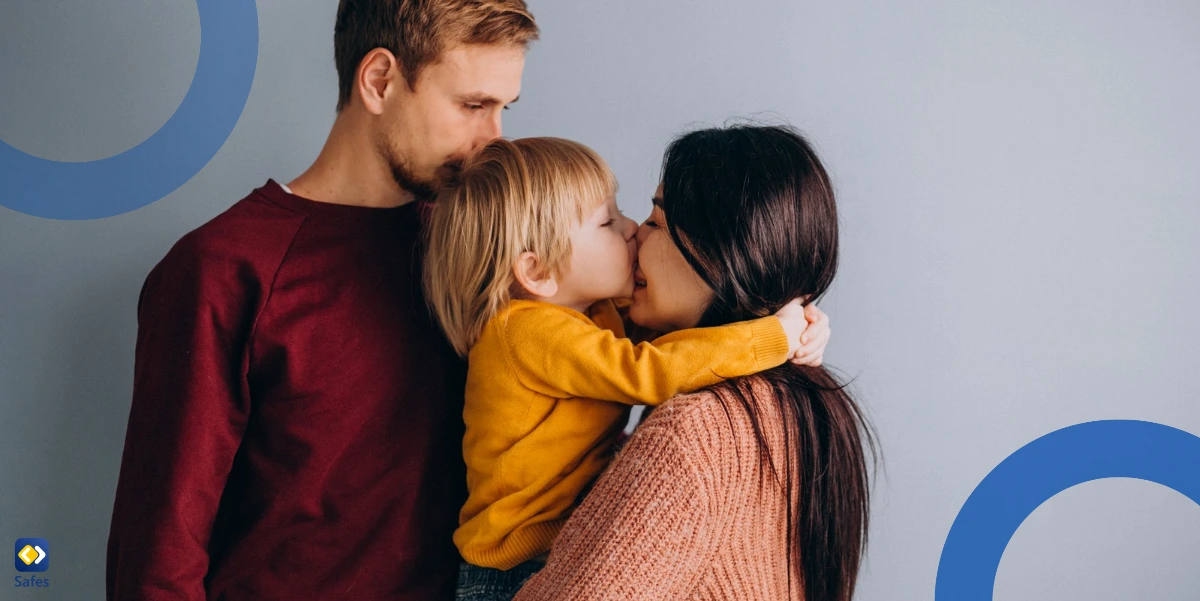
(537, 435)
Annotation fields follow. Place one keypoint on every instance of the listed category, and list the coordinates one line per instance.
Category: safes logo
(32, 555)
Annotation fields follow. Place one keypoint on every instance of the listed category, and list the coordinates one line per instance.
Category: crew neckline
(282, 195)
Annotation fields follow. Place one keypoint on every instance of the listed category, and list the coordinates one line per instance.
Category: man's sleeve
(189, 411)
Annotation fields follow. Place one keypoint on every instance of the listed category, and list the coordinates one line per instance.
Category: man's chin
(447, 173)
(449, 168)
(426, 189)
(420, 189)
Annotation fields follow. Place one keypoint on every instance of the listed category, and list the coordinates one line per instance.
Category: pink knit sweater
(685, 511)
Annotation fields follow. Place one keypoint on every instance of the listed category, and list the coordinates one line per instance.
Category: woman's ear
(533, 277)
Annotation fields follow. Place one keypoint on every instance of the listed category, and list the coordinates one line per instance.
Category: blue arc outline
(1045, 467)
(170, 157)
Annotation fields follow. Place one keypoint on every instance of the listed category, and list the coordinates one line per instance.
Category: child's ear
(533, 277)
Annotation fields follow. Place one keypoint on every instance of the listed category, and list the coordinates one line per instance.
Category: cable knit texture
(688, 510)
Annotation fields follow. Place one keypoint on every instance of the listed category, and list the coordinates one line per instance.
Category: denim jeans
(489, 584)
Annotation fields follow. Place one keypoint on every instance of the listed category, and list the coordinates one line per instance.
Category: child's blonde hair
(510, 196)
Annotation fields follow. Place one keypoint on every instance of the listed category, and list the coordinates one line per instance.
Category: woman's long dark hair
(753, 211)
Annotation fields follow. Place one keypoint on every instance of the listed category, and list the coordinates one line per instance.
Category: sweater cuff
(770, 342)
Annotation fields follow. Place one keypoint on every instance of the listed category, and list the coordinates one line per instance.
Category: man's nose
(493, 127)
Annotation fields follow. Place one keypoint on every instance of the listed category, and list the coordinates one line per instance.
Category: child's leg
(489, 584)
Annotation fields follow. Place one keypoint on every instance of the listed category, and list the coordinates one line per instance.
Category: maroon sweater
(296, 428)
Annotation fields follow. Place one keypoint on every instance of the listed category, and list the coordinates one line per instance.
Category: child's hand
(795, 323)
(814, 339)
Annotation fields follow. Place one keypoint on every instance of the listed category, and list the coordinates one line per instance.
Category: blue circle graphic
(169, 158)
(1044, 468)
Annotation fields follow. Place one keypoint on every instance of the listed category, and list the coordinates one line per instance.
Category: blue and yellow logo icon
(31, 555)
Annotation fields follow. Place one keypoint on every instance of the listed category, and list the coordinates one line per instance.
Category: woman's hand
(814, 339)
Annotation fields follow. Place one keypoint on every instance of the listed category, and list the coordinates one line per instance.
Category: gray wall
(1020, 212)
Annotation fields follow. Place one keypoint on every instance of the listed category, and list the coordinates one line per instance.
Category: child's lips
(639, 279)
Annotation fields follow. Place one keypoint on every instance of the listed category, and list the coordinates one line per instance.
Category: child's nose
(631, 228)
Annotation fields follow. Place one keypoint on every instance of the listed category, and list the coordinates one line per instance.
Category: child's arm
(559, 355)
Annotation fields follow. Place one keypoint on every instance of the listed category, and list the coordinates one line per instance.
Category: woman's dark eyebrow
(657, 201)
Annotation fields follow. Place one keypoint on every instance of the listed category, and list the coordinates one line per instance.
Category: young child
(526, 249)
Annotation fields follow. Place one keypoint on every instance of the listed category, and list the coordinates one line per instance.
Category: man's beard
(423, 189)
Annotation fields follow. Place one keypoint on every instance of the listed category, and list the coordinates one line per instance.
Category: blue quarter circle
(1045, 467)
(170, 157)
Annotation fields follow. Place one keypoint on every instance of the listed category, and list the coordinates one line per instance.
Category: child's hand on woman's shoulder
(807, 330)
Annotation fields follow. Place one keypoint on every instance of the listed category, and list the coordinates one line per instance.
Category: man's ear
(533, 277)
(378, 75)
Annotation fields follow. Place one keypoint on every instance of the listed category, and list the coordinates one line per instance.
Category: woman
(755, 488)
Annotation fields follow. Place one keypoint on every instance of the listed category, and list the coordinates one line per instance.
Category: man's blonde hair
(417, 32)
(509, 197)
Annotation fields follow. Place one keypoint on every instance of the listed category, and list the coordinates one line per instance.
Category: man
(296, 424)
